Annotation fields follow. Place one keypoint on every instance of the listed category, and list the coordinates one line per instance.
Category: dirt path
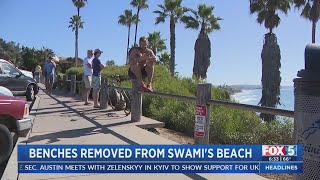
(183, 139)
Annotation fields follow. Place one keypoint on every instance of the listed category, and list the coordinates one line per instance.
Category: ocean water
(253, 96)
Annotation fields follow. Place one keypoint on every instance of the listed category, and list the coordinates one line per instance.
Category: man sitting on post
(141, 62)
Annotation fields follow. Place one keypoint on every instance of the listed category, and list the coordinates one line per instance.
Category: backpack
(117, 100)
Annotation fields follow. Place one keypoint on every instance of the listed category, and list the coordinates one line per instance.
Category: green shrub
(227, 126)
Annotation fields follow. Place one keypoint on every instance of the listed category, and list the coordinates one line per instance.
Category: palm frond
(79, 3)
(140, 4)
(190, 22)
(261, 16)
(205, 11)
(299, 3)
(162, 7)
(256, 6)
(161, 19)
(213, 24)
(306, 11)
(284, 5)
(315, 12)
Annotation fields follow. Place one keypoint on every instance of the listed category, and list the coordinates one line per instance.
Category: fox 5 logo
(277, 150)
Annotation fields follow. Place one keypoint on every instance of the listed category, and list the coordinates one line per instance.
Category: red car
(14, 117)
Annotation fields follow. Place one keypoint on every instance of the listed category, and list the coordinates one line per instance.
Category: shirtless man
(141, 62)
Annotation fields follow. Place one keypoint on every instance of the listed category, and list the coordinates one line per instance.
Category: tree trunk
(127, 59)
(271, 78)
(77, 35)
(76, 48)
(172, 44)
(314, 32)
(135, 34)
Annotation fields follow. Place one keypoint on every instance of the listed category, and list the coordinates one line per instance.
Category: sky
(235, 52)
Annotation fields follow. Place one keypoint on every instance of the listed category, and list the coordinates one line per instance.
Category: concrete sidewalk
(61, 119)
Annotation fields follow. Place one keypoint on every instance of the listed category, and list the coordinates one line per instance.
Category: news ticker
(160, 158)
(225, 167)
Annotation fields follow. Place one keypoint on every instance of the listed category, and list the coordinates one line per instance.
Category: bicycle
(119, 99)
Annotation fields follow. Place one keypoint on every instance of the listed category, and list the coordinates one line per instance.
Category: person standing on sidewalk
(97, 67)
(50, 70)
(87, 76)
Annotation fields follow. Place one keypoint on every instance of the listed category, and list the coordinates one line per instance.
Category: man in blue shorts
(97, 67)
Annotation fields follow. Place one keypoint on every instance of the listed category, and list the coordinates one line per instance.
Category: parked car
(5, 91)
(14, 117)
(18, 83)
(26, 73)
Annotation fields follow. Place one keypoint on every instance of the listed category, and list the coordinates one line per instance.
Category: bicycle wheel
(127, 108)
(112, 99)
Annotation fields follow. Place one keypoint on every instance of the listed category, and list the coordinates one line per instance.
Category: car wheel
(30, 93)
(6, 143)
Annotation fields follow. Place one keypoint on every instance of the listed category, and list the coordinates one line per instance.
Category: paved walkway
(61, 119)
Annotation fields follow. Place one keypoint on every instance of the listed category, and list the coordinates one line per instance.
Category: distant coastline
(232, 89)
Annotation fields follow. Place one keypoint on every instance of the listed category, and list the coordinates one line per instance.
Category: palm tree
(310, 11)
(78, 4)
(75, 23)
(205, 19)
(156, 44)
(127, 19)
(173, 10)
(267, 11)
(139, 4)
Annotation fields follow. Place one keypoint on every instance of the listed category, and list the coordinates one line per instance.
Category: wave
(253, 96)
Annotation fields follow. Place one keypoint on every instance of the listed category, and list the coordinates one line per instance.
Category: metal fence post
(136, 102)
(202, 114)
(73, 84)
(104, 93)
(307, 113)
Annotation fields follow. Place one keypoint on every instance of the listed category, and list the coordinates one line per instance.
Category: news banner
(274, 159)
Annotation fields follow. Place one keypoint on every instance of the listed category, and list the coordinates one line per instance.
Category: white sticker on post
(200, 120)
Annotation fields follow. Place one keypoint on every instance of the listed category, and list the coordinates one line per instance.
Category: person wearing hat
(97, 67)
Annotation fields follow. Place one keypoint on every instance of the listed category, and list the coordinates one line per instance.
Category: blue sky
(236, 48)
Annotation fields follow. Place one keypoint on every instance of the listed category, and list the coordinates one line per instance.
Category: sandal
(88, 103)
(143, 87)
(149, 88)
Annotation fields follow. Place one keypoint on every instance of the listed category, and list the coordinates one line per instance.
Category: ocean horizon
(253, 96)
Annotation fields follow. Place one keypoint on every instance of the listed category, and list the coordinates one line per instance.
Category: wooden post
(59, 82)
(82, 89)
(65, 84)
(202, 114)
(37, 76)
(104, 93)
(73, 84)
(42, 78)
(136, 102)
